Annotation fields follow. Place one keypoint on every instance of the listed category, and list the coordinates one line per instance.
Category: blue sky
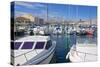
(56, 11)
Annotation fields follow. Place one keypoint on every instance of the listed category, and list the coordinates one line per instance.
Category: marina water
(64, 43)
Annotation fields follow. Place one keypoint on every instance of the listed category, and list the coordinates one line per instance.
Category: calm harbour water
(64, 43)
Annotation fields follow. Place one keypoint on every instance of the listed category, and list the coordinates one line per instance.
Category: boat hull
(42, 58)
(89, 32)
(82, 54)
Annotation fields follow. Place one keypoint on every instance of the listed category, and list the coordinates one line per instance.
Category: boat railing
(85, 54)
(24, 54)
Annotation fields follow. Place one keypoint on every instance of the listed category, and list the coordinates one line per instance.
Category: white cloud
(53, 14)
(30, 5)
(23, 4)
(20, 13)
(39, 5)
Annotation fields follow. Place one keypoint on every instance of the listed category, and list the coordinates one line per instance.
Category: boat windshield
(27, 45)
(39, 45)
(15, 45)
(48, 45)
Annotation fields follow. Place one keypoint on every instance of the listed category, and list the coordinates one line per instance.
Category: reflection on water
(89, 39)
(64, 42)
(62, 48)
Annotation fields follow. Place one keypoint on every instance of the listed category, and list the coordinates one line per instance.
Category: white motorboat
(32, 50)
(57, 30)
(81, 31)
(69, 30)
(82, 53)
(36, 30)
